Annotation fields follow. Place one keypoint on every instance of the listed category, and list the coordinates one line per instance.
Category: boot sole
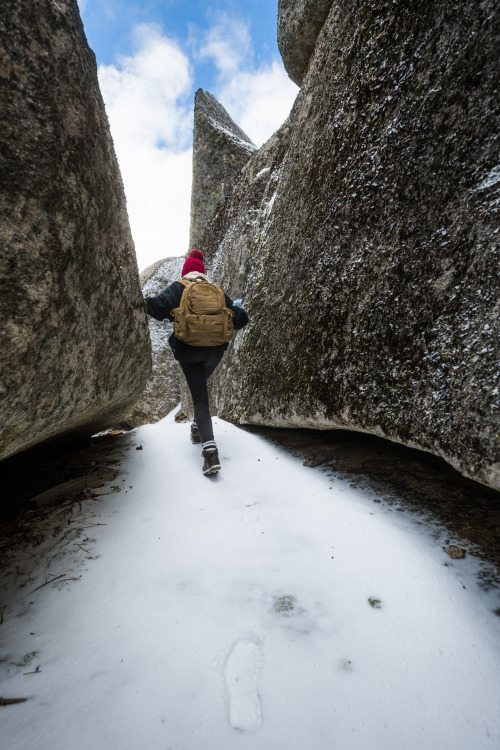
(212, 470)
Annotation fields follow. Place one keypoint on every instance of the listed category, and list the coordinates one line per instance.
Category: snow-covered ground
(271, 608)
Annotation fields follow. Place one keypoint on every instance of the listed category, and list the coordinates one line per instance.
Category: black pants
(197, 374)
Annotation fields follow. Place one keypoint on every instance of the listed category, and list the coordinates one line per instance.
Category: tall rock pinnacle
(220, 149)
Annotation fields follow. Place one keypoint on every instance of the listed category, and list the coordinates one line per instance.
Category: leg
(212, 361)
(196, 375)
(197, 382)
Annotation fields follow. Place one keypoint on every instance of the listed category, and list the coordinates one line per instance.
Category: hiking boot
(211, 465)
(195, 434)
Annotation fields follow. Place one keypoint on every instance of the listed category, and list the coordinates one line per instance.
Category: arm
(240, 316)
(159, 307)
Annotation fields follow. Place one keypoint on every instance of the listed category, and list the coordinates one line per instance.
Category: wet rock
(299, 24)
(362, 238)
(220, 149)
(313, 461)
(74, 337)
(456, 553)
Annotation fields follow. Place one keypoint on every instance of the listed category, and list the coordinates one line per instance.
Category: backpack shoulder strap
(221, 294)
(185, 283)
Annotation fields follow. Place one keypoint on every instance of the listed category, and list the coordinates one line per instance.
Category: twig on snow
(83, 548)
(47, 582)
(94, 524)
(36, 671)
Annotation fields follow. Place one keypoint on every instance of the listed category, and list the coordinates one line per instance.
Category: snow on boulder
(74, 336)
(363, 238)
(162, 391)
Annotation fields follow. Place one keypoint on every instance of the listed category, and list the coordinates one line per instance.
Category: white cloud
(228, 43)
(259, 101)
(148, 98)
(149, 101)
(259, 98)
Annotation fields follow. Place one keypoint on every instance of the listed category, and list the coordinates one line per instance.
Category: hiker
(207, 325)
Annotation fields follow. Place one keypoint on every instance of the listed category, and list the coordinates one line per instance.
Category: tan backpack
(202, 318)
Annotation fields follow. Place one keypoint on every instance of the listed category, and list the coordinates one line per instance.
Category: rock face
(220, 149)
(299, 24)
(74, 337)
(162, 391)
(364, 239)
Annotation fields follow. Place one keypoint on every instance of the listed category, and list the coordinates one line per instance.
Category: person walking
(198, 360)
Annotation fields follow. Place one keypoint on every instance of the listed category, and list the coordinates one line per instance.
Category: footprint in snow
(241, 673)
(251, 514)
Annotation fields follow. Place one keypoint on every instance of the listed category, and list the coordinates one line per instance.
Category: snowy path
(235, 613)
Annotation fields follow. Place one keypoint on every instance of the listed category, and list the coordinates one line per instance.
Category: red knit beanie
(194, 262)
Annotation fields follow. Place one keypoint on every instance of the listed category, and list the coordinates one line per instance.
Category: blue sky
(152, 56)
(108, 24)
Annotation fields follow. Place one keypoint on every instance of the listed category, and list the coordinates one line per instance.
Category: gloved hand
(238, 303)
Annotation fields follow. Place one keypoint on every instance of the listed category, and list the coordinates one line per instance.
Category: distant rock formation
(299, 24)
(364, 240)
(151, 270)
(74, 336)
(162, 391)
(220, 149)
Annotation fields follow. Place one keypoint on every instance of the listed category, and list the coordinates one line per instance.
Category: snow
(270, 204)
(262, 172)
(491, 179)
(232, 136)
(274, 607)
(166, 274)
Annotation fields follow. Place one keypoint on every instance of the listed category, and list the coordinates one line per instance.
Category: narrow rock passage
(271, 608)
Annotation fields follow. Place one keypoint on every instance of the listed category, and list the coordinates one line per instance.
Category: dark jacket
(159, 307)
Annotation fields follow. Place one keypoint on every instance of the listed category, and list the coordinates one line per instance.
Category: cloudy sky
(152, 56)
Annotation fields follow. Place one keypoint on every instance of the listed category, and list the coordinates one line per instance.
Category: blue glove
(238, 303)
